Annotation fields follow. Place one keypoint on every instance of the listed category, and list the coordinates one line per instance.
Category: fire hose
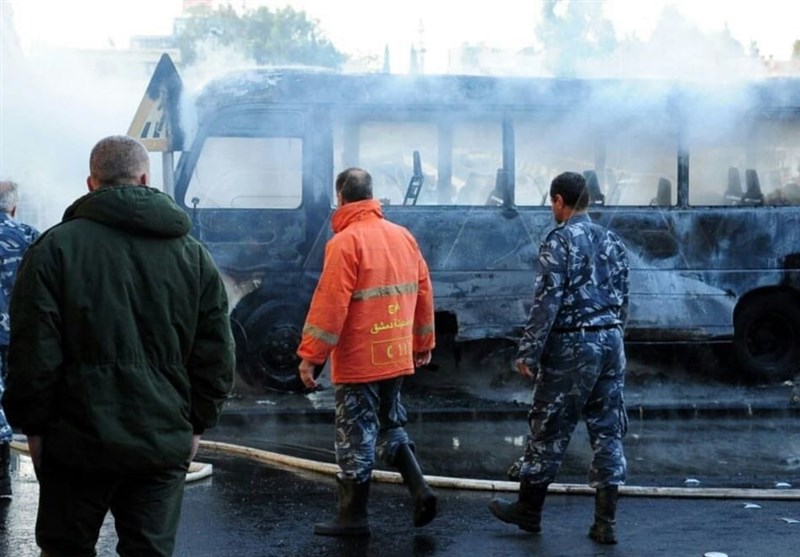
(199, 470)
(448, 482)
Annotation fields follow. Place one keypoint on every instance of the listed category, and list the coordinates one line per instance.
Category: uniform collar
(355, 211)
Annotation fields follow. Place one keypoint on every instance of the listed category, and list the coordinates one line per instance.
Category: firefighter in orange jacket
(372, 312)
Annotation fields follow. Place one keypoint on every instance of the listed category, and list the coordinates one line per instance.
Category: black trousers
(73, 504)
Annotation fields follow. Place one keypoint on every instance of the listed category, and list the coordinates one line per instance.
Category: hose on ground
(448, 482)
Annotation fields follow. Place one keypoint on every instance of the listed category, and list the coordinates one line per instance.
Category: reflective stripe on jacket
(373, 305)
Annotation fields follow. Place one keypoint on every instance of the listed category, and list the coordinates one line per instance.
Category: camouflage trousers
(582, 375)
(369, 421)
(6, 435)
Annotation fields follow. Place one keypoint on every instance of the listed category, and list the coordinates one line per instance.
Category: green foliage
(279, 37)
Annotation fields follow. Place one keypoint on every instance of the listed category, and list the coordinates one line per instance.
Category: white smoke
(578, 40)
(55, 107)
(56, 104)
(213, 60)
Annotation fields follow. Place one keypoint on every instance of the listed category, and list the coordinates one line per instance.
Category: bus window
(477, 154)
(640, 163)
(248, 173)
(758, 166)
(717, 162)
(777, 161)
(386, 150)
(543, 150)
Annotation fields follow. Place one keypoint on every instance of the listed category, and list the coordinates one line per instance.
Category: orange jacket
(373, 305)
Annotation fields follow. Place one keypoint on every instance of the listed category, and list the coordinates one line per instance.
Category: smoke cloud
(55, 107)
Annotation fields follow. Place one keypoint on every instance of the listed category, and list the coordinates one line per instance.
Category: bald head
(354, 184)
(116, 160)
(9, 196)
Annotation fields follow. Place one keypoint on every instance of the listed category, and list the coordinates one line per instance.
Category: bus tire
(272, 334)
(766, 330)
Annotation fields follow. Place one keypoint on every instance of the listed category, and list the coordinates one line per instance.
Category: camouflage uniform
(15, 238)
(574, 338)
(369, 419)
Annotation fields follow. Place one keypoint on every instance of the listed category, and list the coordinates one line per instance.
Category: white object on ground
(197, 470)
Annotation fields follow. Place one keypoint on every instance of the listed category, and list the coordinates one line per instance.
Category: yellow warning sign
(157, 123)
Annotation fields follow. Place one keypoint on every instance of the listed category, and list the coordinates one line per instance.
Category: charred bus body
(699, 181)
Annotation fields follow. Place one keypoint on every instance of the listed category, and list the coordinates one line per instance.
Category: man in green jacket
(121, 355)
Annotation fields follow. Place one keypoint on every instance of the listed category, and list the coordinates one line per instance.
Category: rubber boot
(424, 499)
(526, 512)
(5, 470)
(352, 519)
(605, 510)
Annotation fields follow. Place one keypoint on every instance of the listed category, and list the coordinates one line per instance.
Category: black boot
(605, 510)
(351, 519)
(526, 512)
(424, 499)
(5, 470)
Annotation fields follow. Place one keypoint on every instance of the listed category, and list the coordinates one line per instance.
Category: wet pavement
(250, 509)
(687, 431)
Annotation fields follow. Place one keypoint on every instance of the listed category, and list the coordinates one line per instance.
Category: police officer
(15, 237)
(572, 347)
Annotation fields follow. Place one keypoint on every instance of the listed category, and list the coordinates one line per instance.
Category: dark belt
(587, 329)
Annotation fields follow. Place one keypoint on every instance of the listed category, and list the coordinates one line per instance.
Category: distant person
(572, 347)
(15, 238)
(372, 312)
(121, 356)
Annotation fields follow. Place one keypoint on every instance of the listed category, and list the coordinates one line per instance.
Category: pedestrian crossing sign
(157, 120)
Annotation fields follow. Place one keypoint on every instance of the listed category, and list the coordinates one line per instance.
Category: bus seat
(733, 194)
(415, 183)
(753, 195)
(596, 196)
(663, 196)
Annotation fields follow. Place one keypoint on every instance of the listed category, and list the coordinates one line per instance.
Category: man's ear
(90, 183)
(144, 179)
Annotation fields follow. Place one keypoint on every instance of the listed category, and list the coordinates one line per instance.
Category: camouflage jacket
(581, 281)
(15, 237)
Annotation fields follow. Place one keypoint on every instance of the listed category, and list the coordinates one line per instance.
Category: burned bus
(701, 181)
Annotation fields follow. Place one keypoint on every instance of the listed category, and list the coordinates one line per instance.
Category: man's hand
(195, 446)
(306, 369)
(35, 447)
(422, 358)
(524, 370)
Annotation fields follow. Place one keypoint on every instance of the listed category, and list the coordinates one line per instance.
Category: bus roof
(294, 86)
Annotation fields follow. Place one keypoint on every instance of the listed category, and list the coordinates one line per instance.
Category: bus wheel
(273, 334)
(765, 337)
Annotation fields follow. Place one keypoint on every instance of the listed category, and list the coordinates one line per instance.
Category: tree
(282, 37)
(572, 33)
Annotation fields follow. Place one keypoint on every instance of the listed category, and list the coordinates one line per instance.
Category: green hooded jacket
(121, 346)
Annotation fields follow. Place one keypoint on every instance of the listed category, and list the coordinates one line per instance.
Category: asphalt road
(689, 426)
(251, 510)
